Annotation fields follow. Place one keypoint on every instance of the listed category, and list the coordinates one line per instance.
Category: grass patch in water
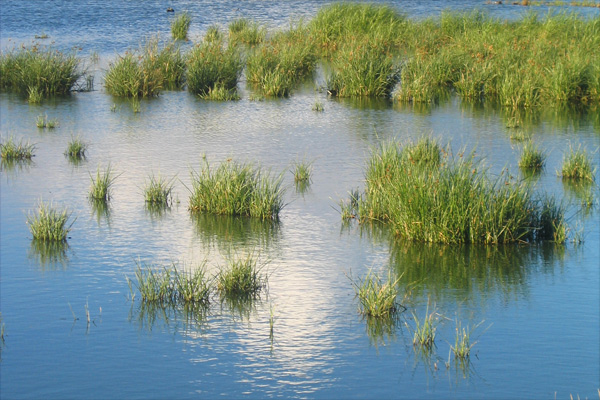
(463, 342)
(101, 185)
(49, 223)
(211, 66)
(213, 34)
(236, 189)
(11, 150)
(246, 31)
(377, 298)
(76, 148)
(302, 171)
(532, 158)
(451, 202)
(43, 122)
(425, 330)
(180, 26)
(241, 279)
(39, 73)
(146, 72)
(158, 191)
(577, 166)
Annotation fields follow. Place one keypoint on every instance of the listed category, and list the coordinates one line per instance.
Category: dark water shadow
(49, 255)
(226, 232)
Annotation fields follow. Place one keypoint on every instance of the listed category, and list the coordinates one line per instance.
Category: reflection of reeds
(49, 253)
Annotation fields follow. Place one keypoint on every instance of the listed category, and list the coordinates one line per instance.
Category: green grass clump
(170, 285)
(241, 279)
(577, 165)
(276, 66)
(146, 72)
(236, 189)
(377, 298)
(452, 202)
(100, 188)
(39, 73)
(463, 344)
(10, 150)
(212, 67)
(49, 223)
(365, 67)
(220, 93)
(43, 122)
(246, 31)
(76, 148)
(532, 158)
(425, 330)
(213, 34)
(158, 191)
(302, 171)
(180, 26)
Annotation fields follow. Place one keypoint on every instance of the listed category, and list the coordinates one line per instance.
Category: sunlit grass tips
(242, 278)
(49, 223)
(158, 191)
(377, 298)
(11, 150)
(236, 189)
(577, 165)
(101, 184)
(76, 148)
(180, 26)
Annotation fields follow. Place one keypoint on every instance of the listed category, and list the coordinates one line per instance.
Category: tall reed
(236, 189)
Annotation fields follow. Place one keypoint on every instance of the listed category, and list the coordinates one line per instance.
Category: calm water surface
(540, 304)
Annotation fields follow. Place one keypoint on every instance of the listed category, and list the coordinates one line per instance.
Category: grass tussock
(236, 189)
(213, 69)
(49, 223)
(213, 34)
(302, 171)
(101, 184)
(577, 165)
(377, 298)
(180, 26)
(158, 191)
(42, 122)
(11, 150)
(276, 66)
(425, 330)
(532, 158)
(39, 73)
(246, 31)
(450, 200)
(146, 72)
(463, 342)
(241, 279)
(76, 148)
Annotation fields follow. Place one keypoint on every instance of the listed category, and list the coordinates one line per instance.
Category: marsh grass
(220, 93)
(236, 189)
(318, 106)
(76, 149)
(42, 122)
(378, 298)
(425, 330)
(211, 66)
(532, 158)
(38, 73)
(180, 26)
(158, 191)
(577, 166)
(276, 66)
(146, 72)
(241, 279)
(302, 171)
(213, 34)
(49, 223)
(101, 184)
(453, 202)
(11, 150)
(246, 31)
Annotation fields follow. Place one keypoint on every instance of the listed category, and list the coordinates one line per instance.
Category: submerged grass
(11, 150)
(451, 202)
(49, 223)
(180, 26)
(236, 189)
(577, 165)
(38, 72)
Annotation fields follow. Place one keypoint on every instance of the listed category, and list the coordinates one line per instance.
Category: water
(540, 304)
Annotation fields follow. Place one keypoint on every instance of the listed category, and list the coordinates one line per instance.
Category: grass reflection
(49, 254)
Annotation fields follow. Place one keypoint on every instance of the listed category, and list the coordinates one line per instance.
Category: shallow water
(540, 304)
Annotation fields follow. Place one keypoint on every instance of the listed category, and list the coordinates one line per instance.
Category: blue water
(538, 307)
